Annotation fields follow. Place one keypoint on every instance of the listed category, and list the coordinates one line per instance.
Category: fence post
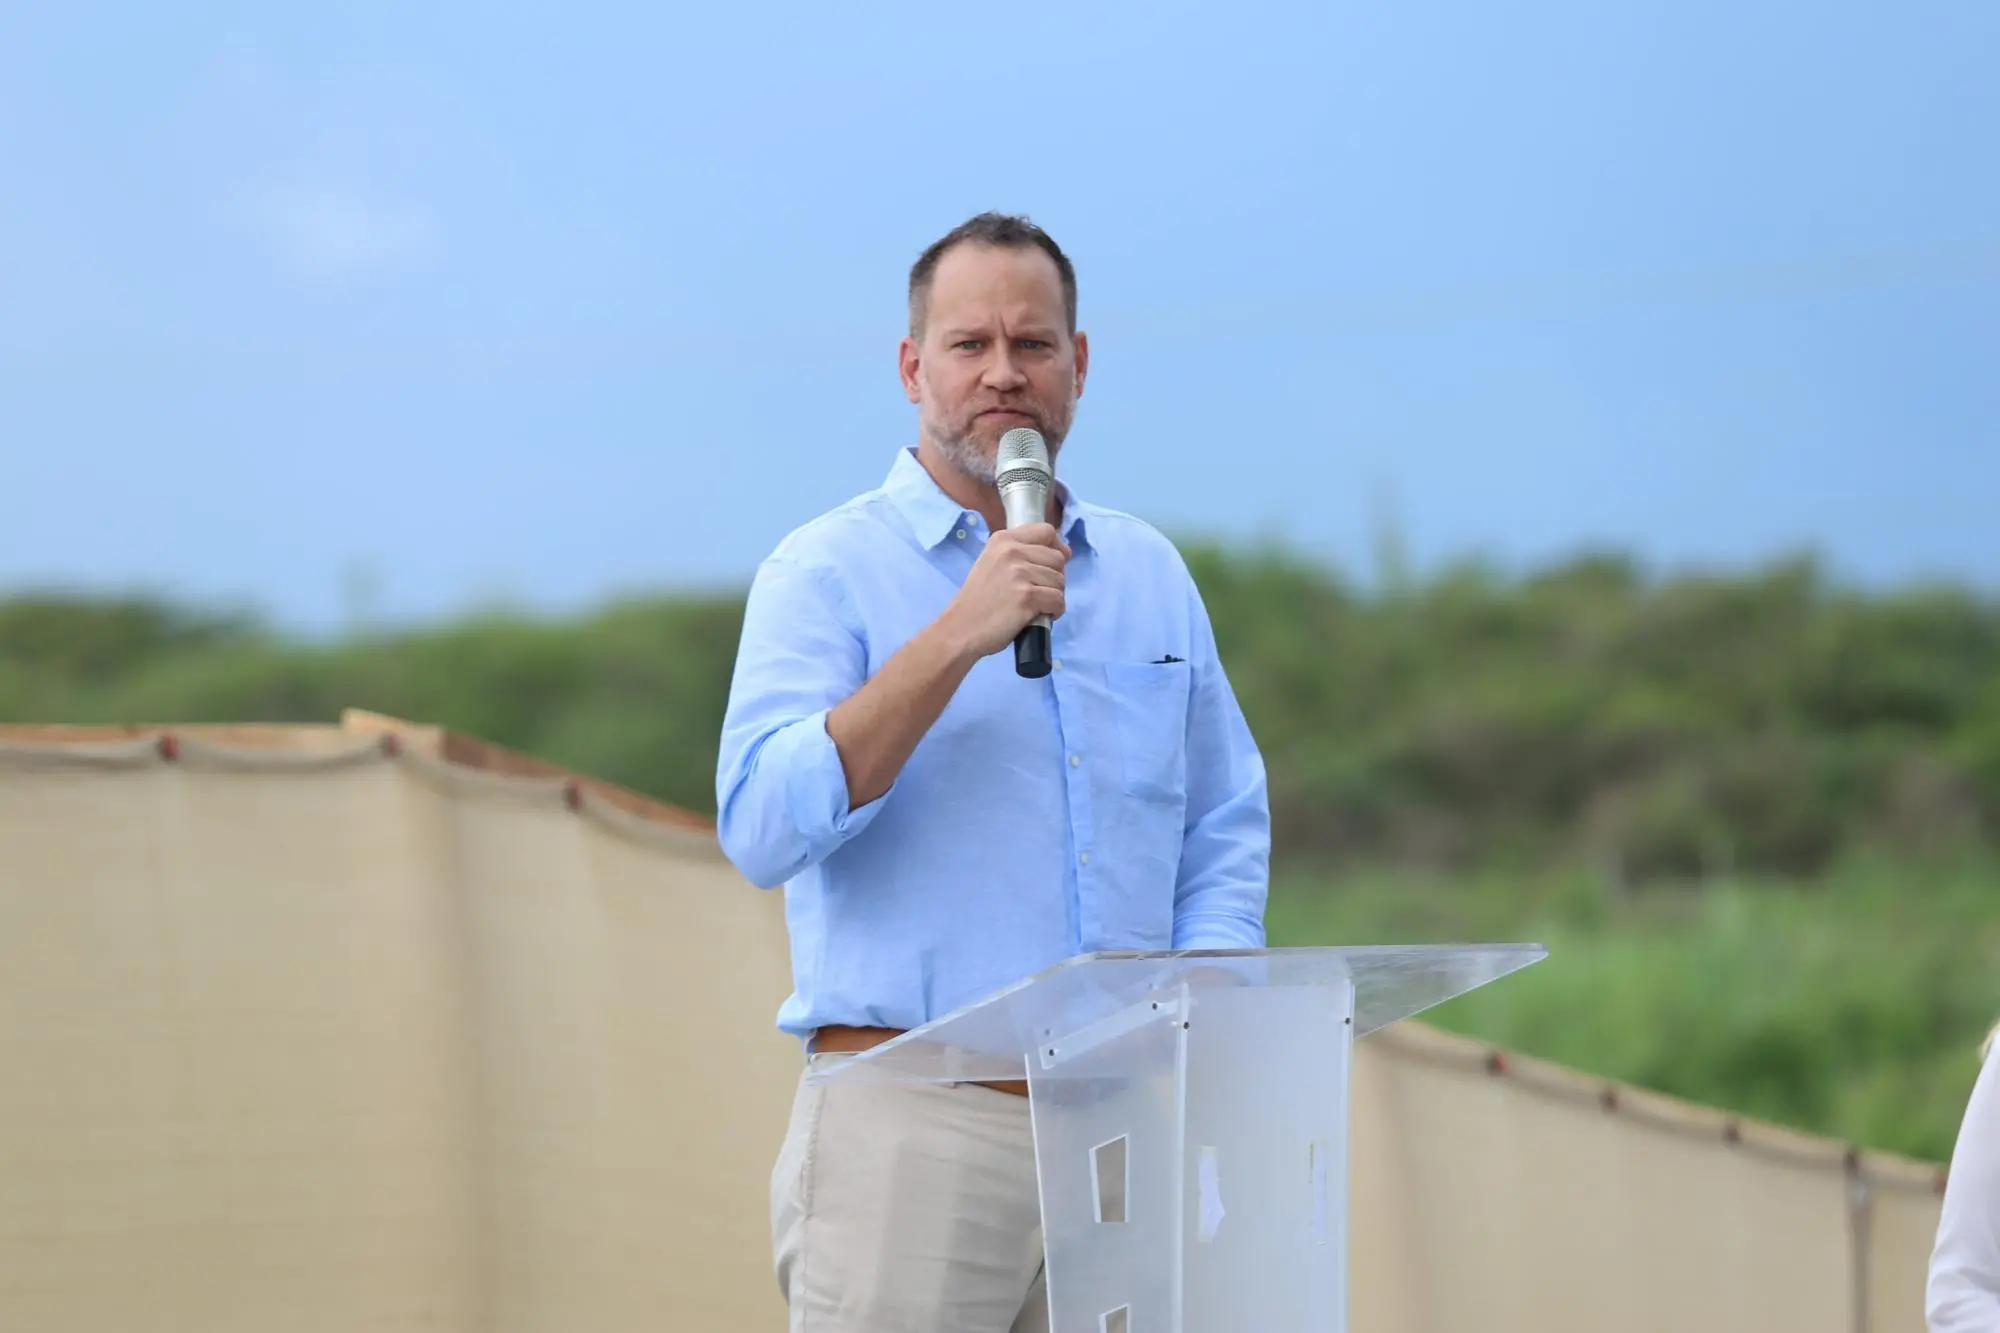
(1860, 1210)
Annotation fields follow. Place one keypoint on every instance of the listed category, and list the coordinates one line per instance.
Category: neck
(981, 497)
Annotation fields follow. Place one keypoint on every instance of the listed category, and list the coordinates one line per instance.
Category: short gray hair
(1007, 230)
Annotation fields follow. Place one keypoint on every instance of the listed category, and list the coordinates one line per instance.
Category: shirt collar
(933, 516)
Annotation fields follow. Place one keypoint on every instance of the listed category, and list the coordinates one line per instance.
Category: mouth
(1004, 414)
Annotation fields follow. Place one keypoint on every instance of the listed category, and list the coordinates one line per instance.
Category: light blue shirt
(1117, 803)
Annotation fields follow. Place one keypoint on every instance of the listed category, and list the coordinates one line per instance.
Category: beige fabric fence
(1495, 1192)
(301, 1029)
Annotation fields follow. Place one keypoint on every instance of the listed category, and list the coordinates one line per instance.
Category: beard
(972, 447)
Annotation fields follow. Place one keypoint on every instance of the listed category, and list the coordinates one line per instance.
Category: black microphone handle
(1031, 652)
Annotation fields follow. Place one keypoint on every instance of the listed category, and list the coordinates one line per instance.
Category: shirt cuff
(816, 786)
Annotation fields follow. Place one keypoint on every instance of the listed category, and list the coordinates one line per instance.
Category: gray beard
(964, 453)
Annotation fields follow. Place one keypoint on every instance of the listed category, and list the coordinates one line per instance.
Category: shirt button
(1057, 664)
(1083, 858)
(960, 534)
(1074, 760)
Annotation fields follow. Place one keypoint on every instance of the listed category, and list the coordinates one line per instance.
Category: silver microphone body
(1022, 474)
(1024, 493)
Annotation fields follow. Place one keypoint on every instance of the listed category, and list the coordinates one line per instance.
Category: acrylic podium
(1190, 1119)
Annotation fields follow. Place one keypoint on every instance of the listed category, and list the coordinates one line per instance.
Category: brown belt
(846, 1040)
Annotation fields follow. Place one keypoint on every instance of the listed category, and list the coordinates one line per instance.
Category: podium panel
(1107, 1154)
(994, 1038)
(1190, 1115)
(1264, 1160)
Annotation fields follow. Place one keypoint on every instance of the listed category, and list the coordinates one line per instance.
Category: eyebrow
(1032, 331)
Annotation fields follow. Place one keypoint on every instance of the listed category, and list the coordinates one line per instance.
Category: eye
(967, 344)
(1032, 344)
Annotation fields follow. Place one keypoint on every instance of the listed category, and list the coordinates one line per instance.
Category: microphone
(1021, 471)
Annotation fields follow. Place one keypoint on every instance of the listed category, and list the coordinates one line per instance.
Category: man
(945, 827)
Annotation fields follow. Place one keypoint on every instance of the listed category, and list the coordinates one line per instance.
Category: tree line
(1653, 728)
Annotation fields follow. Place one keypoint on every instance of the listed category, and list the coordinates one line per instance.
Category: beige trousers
(908, 1208)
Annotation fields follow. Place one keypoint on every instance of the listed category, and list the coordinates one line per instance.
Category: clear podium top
(993, 1039)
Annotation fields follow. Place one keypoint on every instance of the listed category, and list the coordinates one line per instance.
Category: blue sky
(369, 308)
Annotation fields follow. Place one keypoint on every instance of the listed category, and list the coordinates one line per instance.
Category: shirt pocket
(1149, 704)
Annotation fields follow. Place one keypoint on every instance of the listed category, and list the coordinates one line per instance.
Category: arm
(812, 744)
(1963, 1294)
(781, 792)
(877, 728)
(1226, 849)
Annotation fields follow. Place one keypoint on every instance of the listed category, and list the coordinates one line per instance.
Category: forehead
(976, 282)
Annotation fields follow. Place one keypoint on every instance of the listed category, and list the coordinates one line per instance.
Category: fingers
(1041, 576)
(1028, 563)
(1032, 553)
(1040, 534)
(1034, 536)
(1040, 590)
(1042, 557)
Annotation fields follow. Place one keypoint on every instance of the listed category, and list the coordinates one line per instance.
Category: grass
(1851, 1008)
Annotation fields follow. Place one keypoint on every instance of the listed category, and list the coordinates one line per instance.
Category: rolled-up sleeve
(1963, 1287)
(1224, 880)
(780, 788)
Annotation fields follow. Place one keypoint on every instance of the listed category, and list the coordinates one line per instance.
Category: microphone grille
(1022, 447)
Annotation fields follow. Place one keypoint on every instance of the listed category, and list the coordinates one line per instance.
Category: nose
(1002, 374)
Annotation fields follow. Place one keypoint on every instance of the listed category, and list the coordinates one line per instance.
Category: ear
(1082, 359)
(906, 366)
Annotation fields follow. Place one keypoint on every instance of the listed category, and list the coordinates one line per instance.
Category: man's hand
(1017, 577)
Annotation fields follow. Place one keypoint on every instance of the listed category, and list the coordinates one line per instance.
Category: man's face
(996, 353)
